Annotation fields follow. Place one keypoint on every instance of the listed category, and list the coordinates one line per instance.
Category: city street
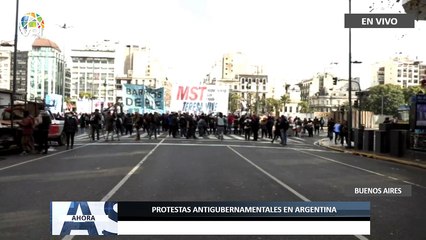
(204, 169)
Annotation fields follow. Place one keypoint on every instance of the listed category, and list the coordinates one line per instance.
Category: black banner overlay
(243, 211)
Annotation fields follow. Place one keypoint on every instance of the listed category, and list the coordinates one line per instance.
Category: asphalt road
(204, 169)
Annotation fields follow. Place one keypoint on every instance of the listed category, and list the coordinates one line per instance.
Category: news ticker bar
(209, 218)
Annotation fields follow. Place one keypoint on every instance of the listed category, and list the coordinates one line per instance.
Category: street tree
(411, 91)
(304, 106)
(273, 105)
(234, 101)
(384, 99)
(284, 100)
(87, 95)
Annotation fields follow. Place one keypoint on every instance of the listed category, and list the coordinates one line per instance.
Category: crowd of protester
(185, 125)
(112, 125)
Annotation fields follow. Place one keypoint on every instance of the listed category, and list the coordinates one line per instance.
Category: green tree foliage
(273, 105)
(392, 96)
(284, 100)
(234, 101)
(411, 91)
(304, 107)
(87, 95)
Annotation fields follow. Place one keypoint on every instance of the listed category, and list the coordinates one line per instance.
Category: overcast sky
(293, 39)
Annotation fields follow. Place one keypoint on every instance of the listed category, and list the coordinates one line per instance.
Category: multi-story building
(5, 69)
(142, 68)
(21, 71)
(93, 72)
(252, 89)
(247, 80)
(399, 70)
(326, 92)
(67, 88)
(46, 70)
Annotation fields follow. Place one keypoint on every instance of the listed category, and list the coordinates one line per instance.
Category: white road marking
(129, 174)
(43, 157)
(299, 195)
(355, 167)
(123, 181)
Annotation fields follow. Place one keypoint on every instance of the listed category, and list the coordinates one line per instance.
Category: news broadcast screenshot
(213, 119)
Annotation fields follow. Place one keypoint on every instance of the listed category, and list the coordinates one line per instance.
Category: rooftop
(43, 42)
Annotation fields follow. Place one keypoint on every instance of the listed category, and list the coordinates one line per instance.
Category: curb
(374, 156)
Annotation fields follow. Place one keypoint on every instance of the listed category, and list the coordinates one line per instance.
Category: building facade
(326, 92)
(399, 70)
(46, 70)
(5, 69)
(93, 73)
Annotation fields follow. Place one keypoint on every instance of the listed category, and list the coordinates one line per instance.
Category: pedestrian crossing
(84, 137)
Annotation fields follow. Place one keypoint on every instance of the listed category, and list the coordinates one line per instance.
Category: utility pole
(15, 65)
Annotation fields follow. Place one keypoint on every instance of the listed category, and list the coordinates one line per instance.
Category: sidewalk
(412, 158)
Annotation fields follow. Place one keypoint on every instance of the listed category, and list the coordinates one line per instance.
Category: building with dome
(46, 70)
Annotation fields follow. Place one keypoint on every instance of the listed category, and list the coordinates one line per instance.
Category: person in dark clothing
(43, 131)
(277, 131)
(255, 125)
(70, 128)
(330, 127)
(128, 124)
(247, 128)
(284, 125)
(96, 121)
(174, 125)
(191, 126)
(269, 125)
(344, 133)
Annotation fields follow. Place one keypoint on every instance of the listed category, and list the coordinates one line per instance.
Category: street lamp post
(15, 63)
(350, 85)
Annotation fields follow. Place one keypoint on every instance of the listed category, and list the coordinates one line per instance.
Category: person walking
(284, 125)
(27, 140)
(109, 126)
(43, 129)
(220, 122)
(330, 128)
(277, 130)
(336, 130)
(247, 128)
(95, 122)
(70, 128)
(255, 125)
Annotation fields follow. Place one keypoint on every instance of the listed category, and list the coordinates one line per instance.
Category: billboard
(54, 102)
(200, 99)
(142, 99)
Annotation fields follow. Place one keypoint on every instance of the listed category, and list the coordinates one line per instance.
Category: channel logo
(84, 218)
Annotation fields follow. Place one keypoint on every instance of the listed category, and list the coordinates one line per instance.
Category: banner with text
(142, 99)
(200, 99)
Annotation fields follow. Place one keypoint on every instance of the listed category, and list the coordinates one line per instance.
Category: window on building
(285, 109)
(242, 86)
(235, 87)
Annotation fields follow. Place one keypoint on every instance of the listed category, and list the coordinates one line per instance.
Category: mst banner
(142, 99)
(200, 99)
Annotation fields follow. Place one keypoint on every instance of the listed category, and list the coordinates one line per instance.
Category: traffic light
(335, 81)
(356, 104)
